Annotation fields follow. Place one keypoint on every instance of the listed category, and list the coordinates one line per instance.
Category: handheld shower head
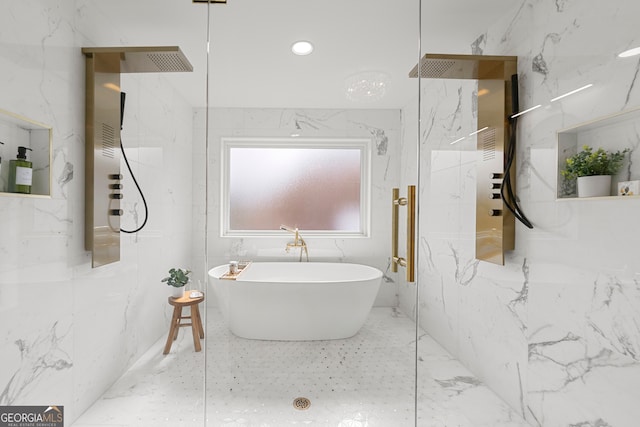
(123, 97)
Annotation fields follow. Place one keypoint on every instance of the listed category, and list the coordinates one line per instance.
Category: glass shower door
(521, 329)
(352, 90)
(470, 351)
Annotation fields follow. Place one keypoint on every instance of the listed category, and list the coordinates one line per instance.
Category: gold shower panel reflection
(495, 224)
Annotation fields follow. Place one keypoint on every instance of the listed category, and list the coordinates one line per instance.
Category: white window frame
(362, 144)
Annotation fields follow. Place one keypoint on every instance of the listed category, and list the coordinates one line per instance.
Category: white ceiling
(250, 61)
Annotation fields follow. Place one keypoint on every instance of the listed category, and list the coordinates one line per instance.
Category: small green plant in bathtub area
(177, 277)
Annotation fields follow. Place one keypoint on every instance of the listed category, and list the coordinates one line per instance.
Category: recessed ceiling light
(302, 48)
(572, 92)
(479, 130)
(631, 52)
(535, 107)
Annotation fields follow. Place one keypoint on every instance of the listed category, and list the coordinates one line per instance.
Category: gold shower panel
(102, 137)
(102, 158)
(495, 224)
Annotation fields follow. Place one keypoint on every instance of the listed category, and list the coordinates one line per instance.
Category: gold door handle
(410, 202)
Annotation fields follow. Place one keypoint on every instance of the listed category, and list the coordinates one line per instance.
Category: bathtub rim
(272, 309)
(375, 273)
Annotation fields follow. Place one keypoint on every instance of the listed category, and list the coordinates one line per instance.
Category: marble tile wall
(555, 330)
(69, 331)
(381, 126)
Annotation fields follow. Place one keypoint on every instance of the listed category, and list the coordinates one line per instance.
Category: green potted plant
(177, 279)
(593, 170)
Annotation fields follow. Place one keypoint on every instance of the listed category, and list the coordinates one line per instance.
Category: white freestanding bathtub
(296, 301)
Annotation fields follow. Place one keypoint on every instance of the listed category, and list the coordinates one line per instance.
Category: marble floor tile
(365, 381)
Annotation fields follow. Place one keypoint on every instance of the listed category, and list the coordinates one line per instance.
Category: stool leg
(178, 321)
(194, 328)
(173, 330)
(199, 320)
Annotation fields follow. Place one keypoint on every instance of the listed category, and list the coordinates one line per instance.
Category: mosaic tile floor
(364, 381)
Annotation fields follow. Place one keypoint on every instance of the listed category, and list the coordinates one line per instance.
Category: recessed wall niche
(613, 132)
(18, 131)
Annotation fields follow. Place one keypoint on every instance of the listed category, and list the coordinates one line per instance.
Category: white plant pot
(177, 292)
(594, 186)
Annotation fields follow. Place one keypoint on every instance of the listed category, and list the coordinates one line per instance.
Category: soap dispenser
(20, 173)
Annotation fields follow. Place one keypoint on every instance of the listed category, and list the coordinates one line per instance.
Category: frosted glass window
(319, 187)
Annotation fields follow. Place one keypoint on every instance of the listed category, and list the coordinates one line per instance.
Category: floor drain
(301, 403)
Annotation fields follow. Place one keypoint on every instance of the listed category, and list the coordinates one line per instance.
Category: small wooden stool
(196, 321)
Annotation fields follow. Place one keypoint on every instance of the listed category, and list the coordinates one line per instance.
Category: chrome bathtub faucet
(298, 242)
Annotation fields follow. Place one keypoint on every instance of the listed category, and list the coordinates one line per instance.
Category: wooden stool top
(185, 300)
(176, 319)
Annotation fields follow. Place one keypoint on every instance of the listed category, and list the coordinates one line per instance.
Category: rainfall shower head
(477, 67)
(146, 59)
